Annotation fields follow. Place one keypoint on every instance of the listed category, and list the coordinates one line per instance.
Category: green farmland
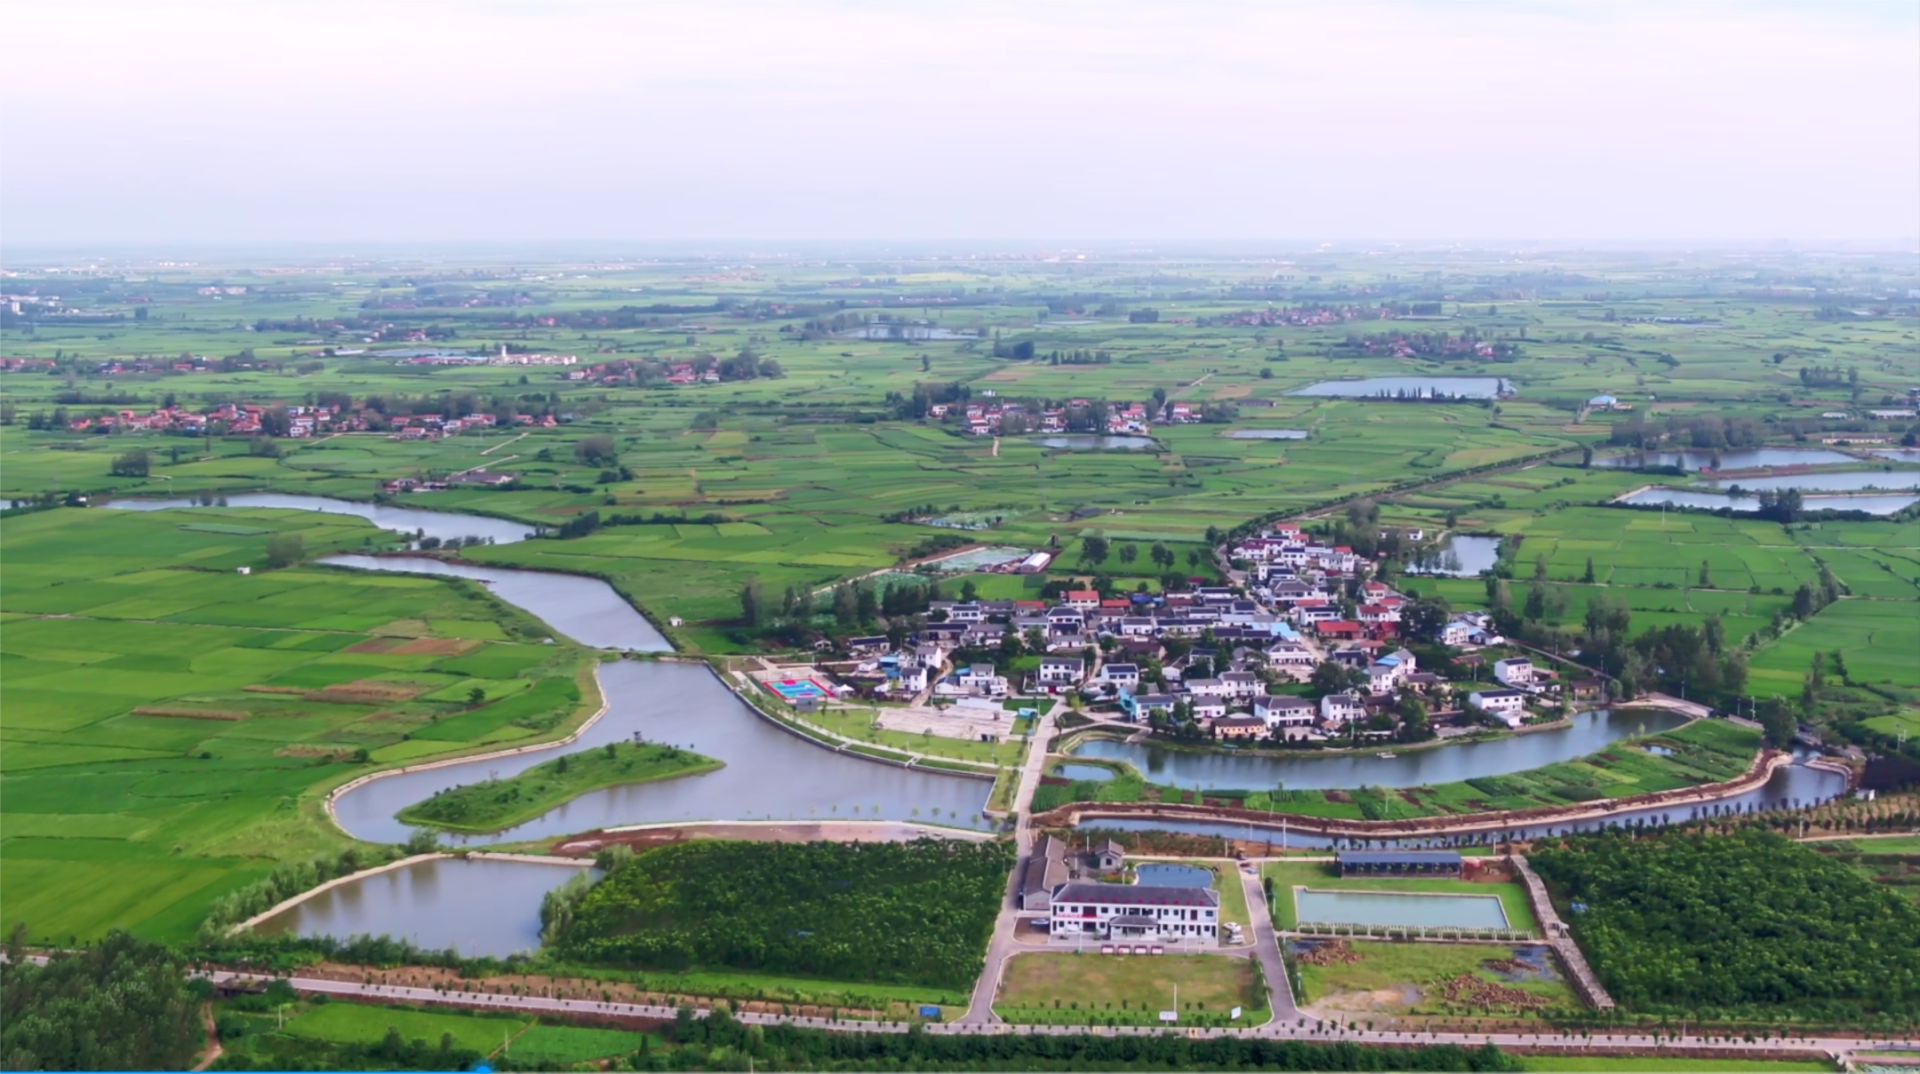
(169, 719)
(161, 712)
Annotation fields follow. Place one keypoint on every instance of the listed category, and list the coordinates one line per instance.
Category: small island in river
(497, 804)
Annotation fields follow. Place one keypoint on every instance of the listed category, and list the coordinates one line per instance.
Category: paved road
(1275, 1030)
(1003, 945)
(1266, 948)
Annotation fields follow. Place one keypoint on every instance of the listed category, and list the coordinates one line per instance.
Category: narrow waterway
(1792, 787)
(585, 609)
(1214, 770)
(442, 525)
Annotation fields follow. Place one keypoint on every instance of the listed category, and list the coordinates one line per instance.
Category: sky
(977, 121)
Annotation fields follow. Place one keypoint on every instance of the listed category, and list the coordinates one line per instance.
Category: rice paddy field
(169, 723)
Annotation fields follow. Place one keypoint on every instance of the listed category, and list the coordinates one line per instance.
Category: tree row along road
(1278, 1029)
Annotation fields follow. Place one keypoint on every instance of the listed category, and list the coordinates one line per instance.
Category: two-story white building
(1058, 671)
(1134, 912)
(1341, 709)
(1123, 676)
(1285, 711)
(1516, 672)
(1509, 705)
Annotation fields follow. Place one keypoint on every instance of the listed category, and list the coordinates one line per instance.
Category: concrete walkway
(1266, 948)
(1004, 945)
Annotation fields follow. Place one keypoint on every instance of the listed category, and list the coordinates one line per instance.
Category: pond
(1162, 874)
(1069, 770)
(1410, 388)
(979, 559)
(896, 330)
(1462, 555)
(1898, 454)
(1871, 503)
(1265, 434)
(1842, 481)
(1735, 459)
(1207, 769)
(1093, 442)
(1396, 909)
(1793, 787)
(478, 907)
(444, 525)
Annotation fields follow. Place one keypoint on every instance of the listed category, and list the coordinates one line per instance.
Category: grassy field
(494, 805)
(169, 724)
(1428, 980)
(257, 1040)
(1047, 988)
(1320, 875)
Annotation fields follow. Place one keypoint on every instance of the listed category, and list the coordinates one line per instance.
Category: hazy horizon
(854, 124)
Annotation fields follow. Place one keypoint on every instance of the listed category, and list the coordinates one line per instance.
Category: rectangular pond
(1395, 909)
(1410, 388)
(1887, 503)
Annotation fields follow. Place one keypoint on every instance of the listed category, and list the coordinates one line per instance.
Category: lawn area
(1320, 875)
(357, 1035)
(857, 724)
(494, 805)
(1057, 988)
(1422, 980)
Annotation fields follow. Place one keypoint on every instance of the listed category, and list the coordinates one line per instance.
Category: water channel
(1872, 503)
(1096, 442)
(1410, 388)
(1732, 459)
(445, 525)
(1791, 787)
(1212, 770)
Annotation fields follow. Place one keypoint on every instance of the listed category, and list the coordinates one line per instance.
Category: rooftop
(1135, 895)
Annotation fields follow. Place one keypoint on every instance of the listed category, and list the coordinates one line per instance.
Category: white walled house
(1132, 912)
(1285, 711)
(1341, 709)
(1515, 671)
(1058, 671)
(1508, 705)
(1124, 676)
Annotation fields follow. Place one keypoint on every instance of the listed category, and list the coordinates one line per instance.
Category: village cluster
(996, 418)
(295, 422)
(1221, 662)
